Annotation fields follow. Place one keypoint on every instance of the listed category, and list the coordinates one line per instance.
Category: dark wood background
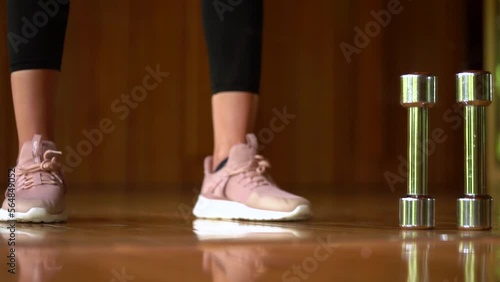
(349, 127)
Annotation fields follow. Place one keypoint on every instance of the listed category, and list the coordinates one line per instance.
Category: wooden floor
(147, 234)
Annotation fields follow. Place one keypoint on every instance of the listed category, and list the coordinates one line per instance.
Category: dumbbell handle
(417, 150)
(475, 154)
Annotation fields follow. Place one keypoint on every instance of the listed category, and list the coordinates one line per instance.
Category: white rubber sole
(221, 209)
(34, 215)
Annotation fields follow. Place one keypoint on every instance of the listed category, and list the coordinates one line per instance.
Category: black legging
(36, 31)
(233, 31)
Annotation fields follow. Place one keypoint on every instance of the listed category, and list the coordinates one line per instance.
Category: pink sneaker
(242, 190)
(39, 187)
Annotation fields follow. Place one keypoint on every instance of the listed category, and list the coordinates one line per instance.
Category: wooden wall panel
(8, 140)
(349, 126)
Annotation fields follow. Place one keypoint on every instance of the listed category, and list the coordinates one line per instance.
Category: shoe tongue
(32, 151)
(243, 154)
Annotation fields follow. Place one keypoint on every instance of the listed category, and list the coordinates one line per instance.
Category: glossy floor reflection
(137, 237)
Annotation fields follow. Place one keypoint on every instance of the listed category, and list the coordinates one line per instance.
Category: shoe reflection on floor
(241, 259)
(35, 261)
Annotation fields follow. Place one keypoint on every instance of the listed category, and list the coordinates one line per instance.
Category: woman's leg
(236, 184)
(234, 39)
(233, 116)
(32, 93)
(36, 31)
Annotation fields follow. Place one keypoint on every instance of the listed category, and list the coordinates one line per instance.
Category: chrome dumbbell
(474, 92)
(418, 94)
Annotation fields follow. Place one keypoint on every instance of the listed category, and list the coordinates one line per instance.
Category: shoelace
(254, 173)
(48, 166)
